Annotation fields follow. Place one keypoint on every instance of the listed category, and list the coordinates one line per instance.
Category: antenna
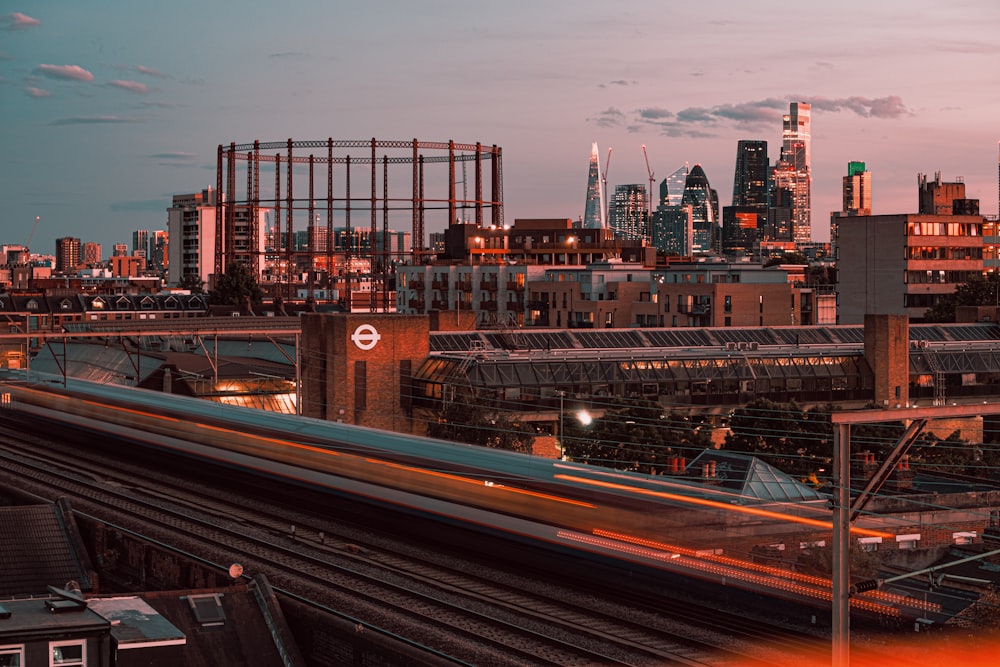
(649, 195)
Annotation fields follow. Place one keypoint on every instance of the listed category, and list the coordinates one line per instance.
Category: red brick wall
(331, 380)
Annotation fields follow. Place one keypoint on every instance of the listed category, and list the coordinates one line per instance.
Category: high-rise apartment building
(857, 190)
(91, 253)
(157, 259)
(628, 212)
(140, 243)
(67, 254)
(704, 202)
(191, 228)
(593, 214)
(796, 159)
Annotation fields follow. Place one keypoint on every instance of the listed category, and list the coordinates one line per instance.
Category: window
(908, 541)
(869, 543)
(12, 655)
(68, 653)
(965, 537)
(728, 305)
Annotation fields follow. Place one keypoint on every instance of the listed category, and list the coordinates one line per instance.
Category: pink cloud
(149, 71)
(37, 93)
(133, 86)
(19, 21)
(65, 72)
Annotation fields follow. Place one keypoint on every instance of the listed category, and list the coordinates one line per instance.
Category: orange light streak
(754, 511)
(479, 482)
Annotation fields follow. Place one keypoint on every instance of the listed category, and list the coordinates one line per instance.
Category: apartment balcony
(439, 304)
(489, 306)
(440, 285)
(416, 304)
(515, 287)
(488, 285)
(417, 285)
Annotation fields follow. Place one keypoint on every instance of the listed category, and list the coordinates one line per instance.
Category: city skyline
(110, 110)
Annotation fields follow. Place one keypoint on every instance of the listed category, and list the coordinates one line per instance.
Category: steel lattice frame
(338, 163)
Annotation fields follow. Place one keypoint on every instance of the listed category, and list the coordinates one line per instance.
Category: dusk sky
(109, 108)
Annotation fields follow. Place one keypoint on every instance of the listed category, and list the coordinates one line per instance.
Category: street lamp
(562, 395)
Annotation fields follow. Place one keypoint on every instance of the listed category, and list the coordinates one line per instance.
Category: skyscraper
(628, 214)
(704, 202)
(750, 181)
(796, 157)
(857, 190)
(593, 215)
(67, 254)
(672, 187)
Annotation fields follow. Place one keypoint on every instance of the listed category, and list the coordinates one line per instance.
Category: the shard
(593, 216)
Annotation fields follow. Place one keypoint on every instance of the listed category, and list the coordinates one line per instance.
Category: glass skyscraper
(704, 202)
(593, 214)
(796, 158)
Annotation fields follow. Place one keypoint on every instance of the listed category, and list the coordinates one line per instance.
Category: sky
(108, 108)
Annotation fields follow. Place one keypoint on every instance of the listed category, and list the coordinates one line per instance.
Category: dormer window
(98, 304)
(65, 304)
(123, 304)
(31, 305)
(171, 303)
(147, 303)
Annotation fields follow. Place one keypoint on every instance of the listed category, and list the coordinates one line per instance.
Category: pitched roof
(40, 550)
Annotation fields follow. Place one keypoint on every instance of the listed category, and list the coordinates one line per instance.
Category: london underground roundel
(366, 337)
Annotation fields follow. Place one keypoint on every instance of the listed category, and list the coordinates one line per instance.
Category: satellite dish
(235, 571)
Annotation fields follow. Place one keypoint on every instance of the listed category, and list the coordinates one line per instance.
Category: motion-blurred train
(651, 521)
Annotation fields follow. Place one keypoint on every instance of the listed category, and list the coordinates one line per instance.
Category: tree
(237, 287)
(637, 437)
(193, 283)
(477, 425)
(978, 290)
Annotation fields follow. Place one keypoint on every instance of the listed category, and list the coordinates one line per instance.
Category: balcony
(488, 285)
(490, 306)
(417, 285)
(416, 304)
(439, 304)
(515, 287)
(440, 285)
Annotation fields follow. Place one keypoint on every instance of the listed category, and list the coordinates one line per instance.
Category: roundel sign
(366, 337)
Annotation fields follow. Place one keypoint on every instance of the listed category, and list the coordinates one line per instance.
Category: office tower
(704, 202)
(796, 157)
(744, 222)
(672, 187)
(140, 242)
(628, 214)
(672, 229)
(91, 253)
(750, 182)
(158, 250)
(857, 190)
(67, 254)
(593, 215)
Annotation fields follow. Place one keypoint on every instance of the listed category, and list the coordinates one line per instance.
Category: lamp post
(562, 395)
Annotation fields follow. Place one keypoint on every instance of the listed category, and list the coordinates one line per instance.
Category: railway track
(485, 618)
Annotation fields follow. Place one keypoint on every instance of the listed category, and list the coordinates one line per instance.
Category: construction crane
(27, 244)
(604, 190)
(649, 195)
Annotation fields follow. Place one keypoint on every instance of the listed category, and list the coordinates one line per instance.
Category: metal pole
(841, 630)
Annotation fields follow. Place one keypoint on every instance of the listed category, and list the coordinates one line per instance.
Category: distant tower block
(368, 184)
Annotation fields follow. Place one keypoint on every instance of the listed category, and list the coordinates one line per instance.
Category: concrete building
(193, 231)
(903, 264)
